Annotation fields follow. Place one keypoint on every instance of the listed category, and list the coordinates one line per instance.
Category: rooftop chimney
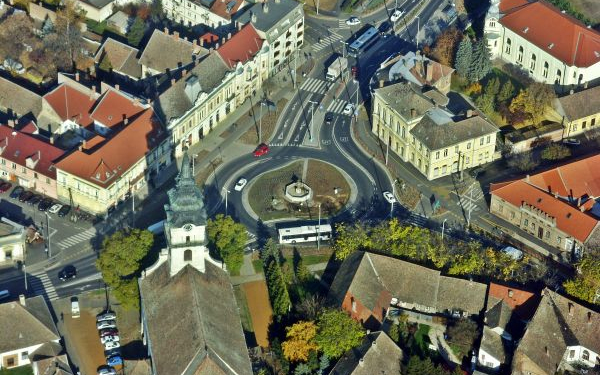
(381, 83)
(173, 80)
(361, 362)
(571, 92)
(92, 92)
(428, 72)
(117, 87)
(229, 37)
(585, 85)
(469, 113)
(167, 30)
(239, 25)
(510, 293)
(253, 18)
(184, 72)
(125, 121)
(413, 112)
(195, 42)
(22, 300)
(176, 34)
(217, 46)
(201, 42)
(266, 7)
(185, 38)
(77, 76)
(11, 123)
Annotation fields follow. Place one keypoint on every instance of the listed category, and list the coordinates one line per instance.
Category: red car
(261, 150)
(355, 71)
(108, 332)
(5, 186)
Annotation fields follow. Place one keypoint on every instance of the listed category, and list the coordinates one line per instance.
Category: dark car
(45, 204)
(476, 172)
(112, 352)
(67, 273)
(64, 210)
(35, 199)
(355, 71)
(5, 186)
(328, 118)
(25, 196)
(108, 332)
(385, 27)
(16, 192)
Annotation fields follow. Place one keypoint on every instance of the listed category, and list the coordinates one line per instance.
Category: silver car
(106, 316)
(106, 324)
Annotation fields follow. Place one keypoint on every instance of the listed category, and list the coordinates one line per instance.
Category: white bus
(304, 233)
(364, 41)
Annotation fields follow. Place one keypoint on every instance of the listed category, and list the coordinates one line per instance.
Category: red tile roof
(572, 42)
(113, 107)
(568, 218)
(522, 302)
(71, 104)
(103, 164)
(242, 47)
(18, 147)
(576, 179)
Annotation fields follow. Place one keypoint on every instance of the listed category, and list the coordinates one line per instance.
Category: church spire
(186, 170)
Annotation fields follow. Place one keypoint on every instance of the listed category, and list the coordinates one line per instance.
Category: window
(456, 149)
(10, 362)
(558, 239)
(23, 170)
(585, 355)
(481, 141)
(593, 122)
(525, 222)
(508, 45)
(47, 180)
(547, 234)
(574, 127)
(500, 209)
(35, 175)
(436, 171)
(512, 215)
(3, 162)
(469, 146)
(492, 23)
(532, 63)
(14, 166)
(24, 356)
(437, 155)
(187, 239)
(558, 77)
(545, 71)
(584, 125)
(444, 169)
(468, 161)
(488, 139)
(445, 152)
(187, 255)
(520, 55)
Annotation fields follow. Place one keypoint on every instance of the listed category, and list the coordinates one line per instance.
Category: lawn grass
(21, 370)
(242, 303)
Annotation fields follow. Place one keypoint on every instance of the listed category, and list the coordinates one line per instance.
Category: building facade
(580, 111)
(212, 13)
(413, 125)
(566, 54)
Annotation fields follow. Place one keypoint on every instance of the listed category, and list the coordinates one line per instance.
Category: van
(4, 294)
(74, 307)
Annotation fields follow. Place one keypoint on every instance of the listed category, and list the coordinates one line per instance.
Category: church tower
(185, 226)
(493, 30)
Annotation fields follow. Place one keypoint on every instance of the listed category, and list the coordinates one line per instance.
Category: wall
(17, 356)
(487, 360)
(28, 178)
(94, 13)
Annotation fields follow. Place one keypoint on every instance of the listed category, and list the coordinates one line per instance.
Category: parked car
(112, 352)
(571, 141)
(55, 208)
(385, 27)
(45, 204)
(328, 118)
(111, 345)
(25, 196)
(389, 197)
(348, 109)
(476, 172)
(352, 21)
(106, 324)
(67, 273)
(355, 71)
(105, 339)
(64, 210)
(16, 192)
(4, 294)
(240, 184)
(5, 186)
(35, 199)
(396, 15)
(261, 150)
(108, 315)
(115, 360)
(75, 312)
(108, 332)
(106, 370)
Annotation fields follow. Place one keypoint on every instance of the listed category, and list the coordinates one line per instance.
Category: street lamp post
(260, 122)
(394, 197)
(319, 229)
(312, 116)
(226, 195)
(25, 274)
(418, 27)
(48, 234)
(443, 228)
(470, 208)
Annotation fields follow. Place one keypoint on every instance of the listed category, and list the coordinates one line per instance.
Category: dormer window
(525, 30)
(550, 46)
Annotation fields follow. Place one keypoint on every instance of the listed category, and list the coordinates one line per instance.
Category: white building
(552, 46)
(212, 13)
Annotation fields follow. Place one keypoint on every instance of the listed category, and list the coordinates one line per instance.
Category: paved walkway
(436, 335)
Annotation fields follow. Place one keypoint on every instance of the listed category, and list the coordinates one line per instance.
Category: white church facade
(550, 45)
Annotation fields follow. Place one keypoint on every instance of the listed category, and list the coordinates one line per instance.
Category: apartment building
(550, 45)
(212, 13)
(414, 125)
(580, 111)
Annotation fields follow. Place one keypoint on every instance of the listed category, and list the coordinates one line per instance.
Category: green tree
(506, 92)
(120, 262)
(469, 261)
(337, 333)
(402, 240)
(278, 293)
(464, 54)
(105, 63)
(540, 97)
(462, 334)
(323, 365)
(492, 87)
(300, 341)
(418, 366)
(480, 62)
(302, 369)
(555, 152)
(485, 102)
(227, 239)
(136, 32)
(349, 239)
(586, 285)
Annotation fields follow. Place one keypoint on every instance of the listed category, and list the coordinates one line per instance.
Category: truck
(336, 68)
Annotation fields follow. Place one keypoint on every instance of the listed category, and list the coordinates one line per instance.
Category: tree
(506, 92)
(480, 61)
(67, 43)
(462, 334)
(485, 103)
(446, 45)
(524, 161)
(227, 239)
(136, 31)
(492, 87)
(311, 306)
(323, 365)
(555, 152)
(586, 285)
(418, 366)
(300, 341)
(12, 43)
(337, 333)
(47, 27)
(469, 261)
(540, 97)
(349, 239)
(277, 288)
(120, 262)
(300, 270)
(464, 55)
(302, 369)
(401, 240)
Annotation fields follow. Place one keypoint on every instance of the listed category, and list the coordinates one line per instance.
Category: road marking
(315, 85)
(77, 238)
(41, 285)
(327, 41)
(337, 106)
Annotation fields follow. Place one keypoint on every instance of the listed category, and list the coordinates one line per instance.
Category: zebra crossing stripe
(314, 85)
(337, 106)
(324, 43)
(77, 238)
(42, 285)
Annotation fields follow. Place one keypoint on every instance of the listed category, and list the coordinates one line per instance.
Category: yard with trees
(226, 240)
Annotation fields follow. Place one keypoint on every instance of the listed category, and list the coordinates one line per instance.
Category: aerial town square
(299, 187)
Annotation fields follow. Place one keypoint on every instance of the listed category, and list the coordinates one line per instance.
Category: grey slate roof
(437, 129)
(498, 315)
(379, 354)
(123, 58)
(186, 202)
(193, 323)
(174, 102)
(493, 344)
(277, 14)
(553, 328)
(24, 326)
(405, 96)
(18, 99)
(165, 51)
(366, 276)
(580, 104)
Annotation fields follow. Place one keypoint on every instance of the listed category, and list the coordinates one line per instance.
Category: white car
(348, 109)
(111, 345)
(240, 184)
(55, 208)
(352, 21)
(571, 142)
(106, 324)
(107, 371)
(396, 15)
(389, 197)
(106, 339)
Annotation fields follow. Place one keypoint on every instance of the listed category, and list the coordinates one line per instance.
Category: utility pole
(260, 122)
(319, 229)
(48, 235)
(387, 149)
(312, 116)
(418, 27)
(25, 274)
(226, 195)
(132, 209)
(443, 227)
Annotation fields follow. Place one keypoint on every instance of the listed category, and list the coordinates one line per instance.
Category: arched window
(585, 355)
(532, 62)
(558, 77)
(545, 71)
(520, 55)
(187, 255)
(508, 45)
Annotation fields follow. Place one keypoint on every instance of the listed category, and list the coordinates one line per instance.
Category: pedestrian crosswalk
(42, 286)
(77, 239)
(337, 106)
(342, 24)
(468, 200)
(416, 219)
(330, 41)
(315, 85)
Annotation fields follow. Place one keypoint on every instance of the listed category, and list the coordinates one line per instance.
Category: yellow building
(580, 111)
(414, 124)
